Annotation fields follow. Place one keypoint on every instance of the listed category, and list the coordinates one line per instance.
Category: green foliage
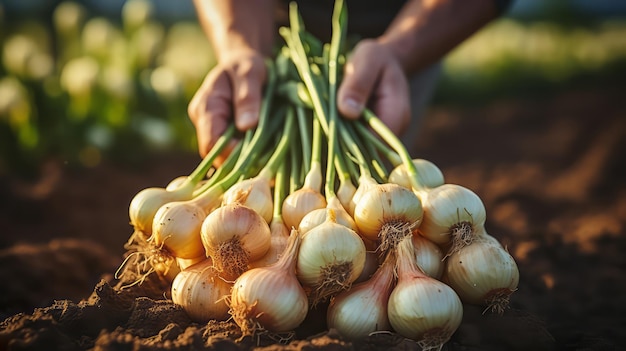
(79, 88)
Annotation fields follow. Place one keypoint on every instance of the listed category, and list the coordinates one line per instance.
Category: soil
(549, 169)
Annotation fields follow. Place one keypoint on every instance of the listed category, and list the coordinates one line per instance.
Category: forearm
(425, 30)
(236, 25)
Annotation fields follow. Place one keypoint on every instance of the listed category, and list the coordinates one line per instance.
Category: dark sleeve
(502, 6)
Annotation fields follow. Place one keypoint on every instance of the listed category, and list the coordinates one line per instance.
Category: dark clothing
(366, 18)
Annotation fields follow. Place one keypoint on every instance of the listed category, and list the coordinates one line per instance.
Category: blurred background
(83, 81)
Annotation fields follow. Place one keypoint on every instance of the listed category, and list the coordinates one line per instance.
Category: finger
(248, 78)
(391, 102)
(210, 109)
(360, 75)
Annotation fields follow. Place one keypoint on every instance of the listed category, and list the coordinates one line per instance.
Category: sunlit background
(84, 81)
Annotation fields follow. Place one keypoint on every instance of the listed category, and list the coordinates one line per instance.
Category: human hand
(374, 77)
(233, 88)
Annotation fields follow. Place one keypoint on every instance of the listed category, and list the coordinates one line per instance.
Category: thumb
(360, 75)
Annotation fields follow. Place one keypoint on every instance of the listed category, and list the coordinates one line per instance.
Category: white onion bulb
(201, 292)
(387, 212)
(483, 273)
(331, 258)
(362, 309)
(233, 236)
(270, 297)
(428, 174)
(452, 215)
(422, 308)
(176, 228)
(428, 256)
(255, 193)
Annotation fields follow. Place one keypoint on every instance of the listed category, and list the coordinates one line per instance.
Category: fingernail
(352, 107)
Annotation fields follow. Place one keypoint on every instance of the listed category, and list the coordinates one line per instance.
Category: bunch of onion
(362, 310)
(270, 298)
(483, 273)
(201, 292)
(234, 235)
(169, 239)
(420, 307)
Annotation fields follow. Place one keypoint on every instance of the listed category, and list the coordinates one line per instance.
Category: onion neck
(405, 261)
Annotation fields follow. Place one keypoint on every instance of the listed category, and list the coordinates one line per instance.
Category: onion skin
(200, 291)
(447, 207)
(483, 273)
(362, 309)
(422, 308)
(384, 205)
(331, 257)
(147, 202)
(254, 193)
(319, 216)
(176, 228)
(428, 174)
(233, 236)
(428, 256)
(299, 203)
(270, 297)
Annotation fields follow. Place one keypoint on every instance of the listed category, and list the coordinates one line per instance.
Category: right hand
(232, 89)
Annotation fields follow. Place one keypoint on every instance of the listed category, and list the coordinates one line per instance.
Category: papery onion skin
(176, 228)
(385, 205)
(299, 203)
(429, 257)
(331, 256)
(254, 193)
(319, 216)
(420, 307)
(278, 243)
(428, 174)
(483, 273)
(270, 297)
(451, 212)
(233, 236)
(201, 291)
(362, 309)
(147, 202)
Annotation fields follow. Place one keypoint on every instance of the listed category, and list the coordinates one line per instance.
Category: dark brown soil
(550, 171)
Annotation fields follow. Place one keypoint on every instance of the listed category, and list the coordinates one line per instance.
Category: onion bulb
(233, 236)
(278, 243)
(422, 308)
(452, 215)
(176, 229)
(304, 200)
(147, 202)
(428, 256)
(362, 309)
(330, 259)
(270, 297)
(318, 216)
(483, 273)
(387, 212)
(366, 181)
(428, 174)
(255, 193)
(201, 292)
